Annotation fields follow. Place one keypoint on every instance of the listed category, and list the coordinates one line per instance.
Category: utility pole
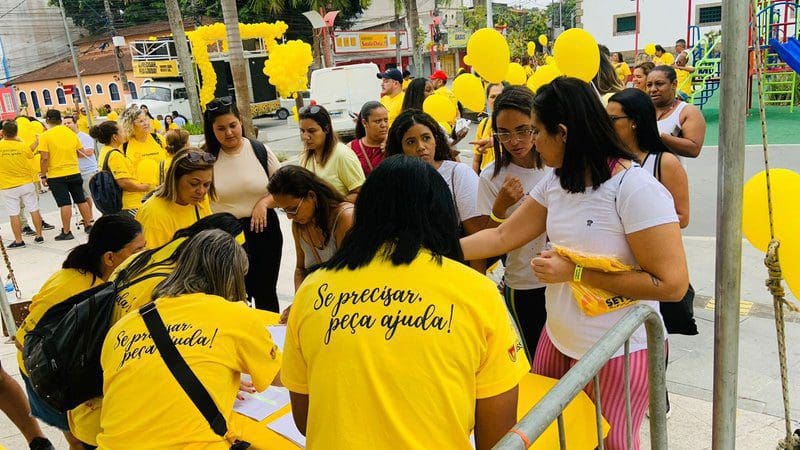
(230, 15)
(730, 181)
(82, 92)
(184, 59)
(123, 77)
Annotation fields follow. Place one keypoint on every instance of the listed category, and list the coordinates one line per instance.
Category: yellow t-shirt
(62, 144)
(60, 286)
(683, 85)
(155, 125)
(161, 218)
(427, 350)
(444, 90)
(83, 124)
(112, 116)
(151, 151)
(394, 105)
(406, 82)
(121, 167)
(174, 126)
(485, 132)
(145, 407)
(664, 60)
(623, 71)
(342, 170)
(15, 159)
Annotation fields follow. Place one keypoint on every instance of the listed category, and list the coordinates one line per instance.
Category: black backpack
(106, 193)
(62, 353)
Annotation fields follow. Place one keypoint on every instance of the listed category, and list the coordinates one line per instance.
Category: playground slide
(789, 52)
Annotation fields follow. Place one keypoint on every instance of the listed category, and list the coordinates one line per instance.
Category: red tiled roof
(93, 62)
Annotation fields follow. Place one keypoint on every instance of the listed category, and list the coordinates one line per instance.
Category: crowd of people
(393, 236)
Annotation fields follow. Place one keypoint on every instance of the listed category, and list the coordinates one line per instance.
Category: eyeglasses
(218, 103)
(508, 136)
(614, 119)
(195, 157)
(295, 210)
(313, 109)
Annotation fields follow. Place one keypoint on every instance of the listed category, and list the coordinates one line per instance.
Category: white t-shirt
(518, 274)
(597, 221)
(87, 164)
(240, 180)
(463, 183)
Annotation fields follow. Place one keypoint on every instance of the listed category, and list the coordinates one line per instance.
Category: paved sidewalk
(690, 374)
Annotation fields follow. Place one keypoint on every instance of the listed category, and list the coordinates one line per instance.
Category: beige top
(240, 180)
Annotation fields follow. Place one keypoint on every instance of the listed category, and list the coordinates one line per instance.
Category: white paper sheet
(261, 404)
(278, 333)
(285, 427)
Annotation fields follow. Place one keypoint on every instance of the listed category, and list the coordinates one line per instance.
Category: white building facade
(613, 22)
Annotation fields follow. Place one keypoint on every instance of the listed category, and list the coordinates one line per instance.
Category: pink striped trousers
(552, 363)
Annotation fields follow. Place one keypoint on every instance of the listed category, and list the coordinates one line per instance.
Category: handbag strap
(181, 371)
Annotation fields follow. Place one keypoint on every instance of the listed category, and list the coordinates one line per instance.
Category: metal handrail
(550, 408)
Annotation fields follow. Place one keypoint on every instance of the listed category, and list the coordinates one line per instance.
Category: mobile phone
(676, 131)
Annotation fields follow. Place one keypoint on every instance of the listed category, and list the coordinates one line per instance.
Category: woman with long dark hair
(372, 126)
(418, 90)
(515, 170)
(324, 155)
(596, 201)
(113, 239)
(446, 348)
(241, 175)
(415, 133)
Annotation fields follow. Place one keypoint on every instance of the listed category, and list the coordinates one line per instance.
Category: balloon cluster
(785, 190)
(287, 66)
(650, 49)
(205, 35)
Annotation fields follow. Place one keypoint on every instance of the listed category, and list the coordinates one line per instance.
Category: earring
(633, 126)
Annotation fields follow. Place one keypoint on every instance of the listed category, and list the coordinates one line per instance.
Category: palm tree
(230, 15)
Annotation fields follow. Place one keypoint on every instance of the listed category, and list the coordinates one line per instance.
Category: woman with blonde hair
(181, 200)
(219, 337)
(143, 146)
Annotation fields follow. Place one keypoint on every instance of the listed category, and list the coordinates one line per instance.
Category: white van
(343, 90)
(163, 97)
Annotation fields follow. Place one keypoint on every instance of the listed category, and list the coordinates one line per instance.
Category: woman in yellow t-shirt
(120, 166)
(181, 200)
(324, 155)
(219, 337)
(143, 145)
(113, 239)
(483, 146)
(386, 282)
(146, 269)
(169, 124)
(621, 67)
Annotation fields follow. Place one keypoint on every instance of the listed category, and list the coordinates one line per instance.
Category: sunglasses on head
(196, 156)
(218, 103)
(313, 109)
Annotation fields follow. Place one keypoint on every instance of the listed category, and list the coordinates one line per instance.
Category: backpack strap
(105, 160)
(261, 153)
(181, 371)
(657, 167)
(197, 212)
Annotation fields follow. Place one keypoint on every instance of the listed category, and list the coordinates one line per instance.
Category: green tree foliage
(90, 14)
(522, 25)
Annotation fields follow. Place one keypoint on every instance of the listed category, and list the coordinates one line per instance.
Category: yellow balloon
(786, 216)
(468, 89)
(467, 60)
(543, 40)
(22, 122)
(440, 108)
(650, 49)
(542, 76)
(576, 54)
(448, 130)
(489, 54)
(790, 262)
(516, 75)
(531, 48)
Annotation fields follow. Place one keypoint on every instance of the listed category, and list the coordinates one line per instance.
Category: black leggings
(264, 254)
(529, 314)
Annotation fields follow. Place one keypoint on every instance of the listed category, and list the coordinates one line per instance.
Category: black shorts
(64, 187)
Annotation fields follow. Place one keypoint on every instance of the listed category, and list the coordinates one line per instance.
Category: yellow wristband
(576, 276)
(495, 218)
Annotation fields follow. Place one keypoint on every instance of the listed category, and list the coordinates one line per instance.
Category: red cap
(439, 75)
